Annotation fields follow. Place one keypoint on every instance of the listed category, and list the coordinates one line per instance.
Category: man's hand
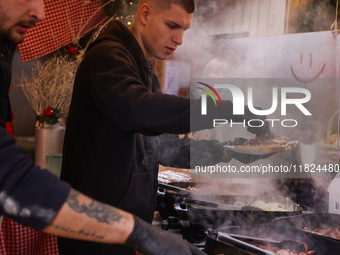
(258, 124)
(150, 240)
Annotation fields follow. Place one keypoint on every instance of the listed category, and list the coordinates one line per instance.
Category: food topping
(277, 144)
(277, 140)
(330, 232)
(172, 176)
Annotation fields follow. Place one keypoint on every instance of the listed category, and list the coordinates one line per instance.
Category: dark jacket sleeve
(174, 151)
(127, 102)
(28, 195)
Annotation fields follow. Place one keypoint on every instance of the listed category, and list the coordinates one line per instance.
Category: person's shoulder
(107, 48)
(109, 40)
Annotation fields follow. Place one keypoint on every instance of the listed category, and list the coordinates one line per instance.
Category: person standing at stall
(38, 199)
(121, 126)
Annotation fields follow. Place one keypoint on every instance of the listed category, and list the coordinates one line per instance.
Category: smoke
(201, 41)
(305, 60)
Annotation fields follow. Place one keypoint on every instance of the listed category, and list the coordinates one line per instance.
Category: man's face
(164, 32)
(17, 16)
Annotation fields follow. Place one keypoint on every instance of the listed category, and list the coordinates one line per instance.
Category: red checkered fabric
(16, 239)
(65, 21)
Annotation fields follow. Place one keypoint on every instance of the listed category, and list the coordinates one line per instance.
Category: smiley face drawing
(310, 62)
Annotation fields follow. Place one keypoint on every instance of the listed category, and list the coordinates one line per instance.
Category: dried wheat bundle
(50, 83)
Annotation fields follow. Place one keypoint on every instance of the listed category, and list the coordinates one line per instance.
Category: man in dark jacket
(120, 122)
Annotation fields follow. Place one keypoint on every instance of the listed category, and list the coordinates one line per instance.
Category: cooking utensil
(321, 246)
(220, 206)
(195, 219)
(174, 192)
(211, 204)
(285, 244)
(240, 141)
(167, 196)
(200, 209)
(227, 239)
(180, 191)
(237, 145)
(247, 151)
(312, 221)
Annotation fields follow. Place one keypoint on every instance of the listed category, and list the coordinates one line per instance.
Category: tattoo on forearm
(93, 209)
(80, 232)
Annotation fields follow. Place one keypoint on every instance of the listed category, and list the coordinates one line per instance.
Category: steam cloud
(236, 56)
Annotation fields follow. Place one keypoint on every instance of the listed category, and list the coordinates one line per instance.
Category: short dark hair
(187, 5)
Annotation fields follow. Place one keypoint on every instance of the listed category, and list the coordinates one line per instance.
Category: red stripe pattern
(65, 21)
(17, 239)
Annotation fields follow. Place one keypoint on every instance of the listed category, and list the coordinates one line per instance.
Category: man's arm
(38, 199)
(81, 217)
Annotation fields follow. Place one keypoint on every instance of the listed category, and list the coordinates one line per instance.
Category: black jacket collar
(118, 32)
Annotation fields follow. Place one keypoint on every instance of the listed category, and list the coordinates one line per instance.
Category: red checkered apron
(20, 240)
(65, 21)
(17, 239)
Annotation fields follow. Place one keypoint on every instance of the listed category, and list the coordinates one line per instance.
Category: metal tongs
(212, 204)
(243, 242)
(179, 190)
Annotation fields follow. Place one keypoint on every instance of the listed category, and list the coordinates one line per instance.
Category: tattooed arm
(84, 218)
(37, 198)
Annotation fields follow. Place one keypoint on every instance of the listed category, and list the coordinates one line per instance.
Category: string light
(123, 10)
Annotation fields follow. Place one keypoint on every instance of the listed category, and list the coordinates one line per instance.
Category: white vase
(48, 139)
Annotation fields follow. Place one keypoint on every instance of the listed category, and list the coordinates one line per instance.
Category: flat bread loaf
(276, 144)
